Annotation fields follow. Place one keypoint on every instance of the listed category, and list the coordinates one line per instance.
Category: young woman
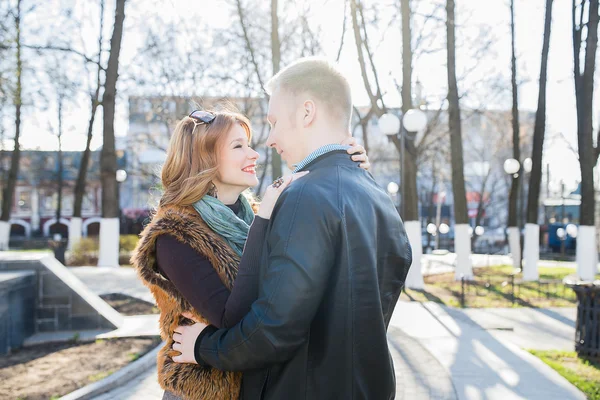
(201, 250)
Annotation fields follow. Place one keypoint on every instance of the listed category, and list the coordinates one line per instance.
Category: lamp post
(443, 229)
(531, 246)
(392, 189)
(412, 121)
(121, 176)
(564, 233)
(512, 167)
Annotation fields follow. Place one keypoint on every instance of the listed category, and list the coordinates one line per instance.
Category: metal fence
(587, 327)
(511, 287)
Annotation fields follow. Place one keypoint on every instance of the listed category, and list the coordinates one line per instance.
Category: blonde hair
(319, 78)
(192, 158)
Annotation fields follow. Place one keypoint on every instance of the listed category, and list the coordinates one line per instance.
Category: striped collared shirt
(318, 153)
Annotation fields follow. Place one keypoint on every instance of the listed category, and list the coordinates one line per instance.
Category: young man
(333, 265)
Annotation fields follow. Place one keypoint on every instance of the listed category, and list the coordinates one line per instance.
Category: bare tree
(75, 228)
(532, 230)
(276, 61)
(462, 242)
(587, 252)
(109, 234)
(9, 188)
(513, 224)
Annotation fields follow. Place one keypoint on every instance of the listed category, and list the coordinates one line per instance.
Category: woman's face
(237, 161)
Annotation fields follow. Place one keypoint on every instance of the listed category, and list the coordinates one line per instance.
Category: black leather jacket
(334, 263)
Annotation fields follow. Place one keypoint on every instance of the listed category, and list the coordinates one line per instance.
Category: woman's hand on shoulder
(358, 152)
(274, 191)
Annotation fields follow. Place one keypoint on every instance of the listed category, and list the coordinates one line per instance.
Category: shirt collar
(318, 153)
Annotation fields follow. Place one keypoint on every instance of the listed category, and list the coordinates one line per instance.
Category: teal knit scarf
(223, 221)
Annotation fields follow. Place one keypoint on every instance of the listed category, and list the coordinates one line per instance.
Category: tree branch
(63, 49)
(249, 44)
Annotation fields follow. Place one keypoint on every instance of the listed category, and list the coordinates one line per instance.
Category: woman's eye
(239, 146)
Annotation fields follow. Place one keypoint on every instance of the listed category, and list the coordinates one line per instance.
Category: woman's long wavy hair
(191, 163)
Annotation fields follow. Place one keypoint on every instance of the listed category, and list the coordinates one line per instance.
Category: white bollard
(75, 229)
(414, 280)
(532, 252)
(4, 234)
(462, 246)
(514, 245)
(587, 253)
(109, 243)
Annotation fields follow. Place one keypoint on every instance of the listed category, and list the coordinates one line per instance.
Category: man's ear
(309, 110)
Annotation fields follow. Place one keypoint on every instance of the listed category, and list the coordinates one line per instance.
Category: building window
(24, 200)
(88, 202)
(49, 201)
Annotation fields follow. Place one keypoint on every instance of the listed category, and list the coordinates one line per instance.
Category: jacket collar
(335, 157)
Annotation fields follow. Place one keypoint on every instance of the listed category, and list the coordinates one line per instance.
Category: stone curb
(119, 378)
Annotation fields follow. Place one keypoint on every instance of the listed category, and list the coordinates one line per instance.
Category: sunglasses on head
(202, 117)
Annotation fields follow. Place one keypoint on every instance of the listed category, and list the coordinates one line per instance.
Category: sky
(430, 69)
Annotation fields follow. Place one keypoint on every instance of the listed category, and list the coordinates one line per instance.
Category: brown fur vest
(188, 381)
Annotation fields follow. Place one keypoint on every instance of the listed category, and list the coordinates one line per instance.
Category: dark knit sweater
(199, 283)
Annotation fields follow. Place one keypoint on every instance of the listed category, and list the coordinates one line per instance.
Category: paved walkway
(419, 375)
(528, 328)
(105, 280)
(439, 352)
(144, 387)
(482, 363)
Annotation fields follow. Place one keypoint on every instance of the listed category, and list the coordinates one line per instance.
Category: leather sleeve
(302, 250)
(396, 264)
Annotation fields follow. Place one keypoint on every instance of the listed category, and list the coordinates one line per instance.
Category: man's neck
(324, 138)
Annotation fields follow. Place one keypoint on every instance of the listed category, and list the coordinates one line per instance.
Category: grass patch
(583, 374)
(100, 375)
(491, 287)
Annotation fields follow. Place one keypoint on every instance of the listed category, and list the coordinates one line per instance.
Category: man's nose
(270, 140)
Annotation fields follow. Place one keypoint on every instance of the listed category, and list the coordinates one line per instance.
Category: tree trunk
(408, 189)
(516, 180)
(587, 253)
(109, 228)
(85, 158)
(535, 178)
(480, 206)
(276, 169)
(364, 124)
(410, 199)
(462, 240)
(532, 229)
(9, 189)
(514, 235)
(59, 172)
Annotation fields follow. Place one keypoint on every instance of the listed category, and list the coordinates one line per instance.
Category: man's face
(285, 135)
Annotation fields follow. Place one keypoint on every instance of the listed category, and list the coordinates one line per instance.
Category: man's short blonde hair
(319, 78)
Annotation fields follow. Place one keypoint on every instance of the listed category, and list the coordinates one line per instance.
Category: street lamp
(121, 175)
(444, 228)
(512, 167)
(431, 229)
(413, 120)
